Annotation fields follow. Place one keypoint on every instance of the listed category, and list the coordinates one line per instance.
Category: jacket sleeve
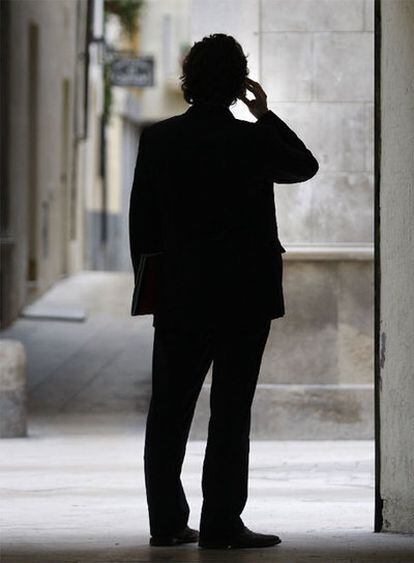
(144, 219)
(285, 159)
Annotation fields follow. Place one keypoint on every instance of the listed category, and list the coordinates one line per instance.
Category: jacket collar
(206, 110)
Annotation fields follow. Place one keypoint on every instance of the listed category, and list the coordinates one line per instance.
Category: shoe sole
(229, 545)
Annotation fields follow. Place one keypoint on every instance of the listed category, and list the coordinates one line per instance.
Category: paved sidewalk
(73, 490)
(102, 364)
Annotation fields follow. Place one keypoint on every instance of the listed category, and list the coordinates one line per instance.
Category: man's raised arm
(283, 157)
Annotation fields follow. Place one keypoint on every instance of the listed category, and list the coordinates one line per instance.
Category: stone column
(13, 396)
(395, 207)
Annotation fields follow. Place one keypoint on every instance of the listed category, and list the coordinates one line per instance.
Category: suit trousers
(180, 362)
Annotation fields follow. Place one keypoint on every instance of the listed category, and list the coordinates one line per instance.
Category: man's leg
(181, 359)
(237, 360)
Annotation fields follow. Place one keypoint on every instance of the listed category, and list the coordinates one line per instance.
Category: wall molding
(329, 252)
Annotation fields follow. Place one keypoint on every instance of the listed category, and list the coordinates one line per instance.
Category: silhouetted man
(202, 200)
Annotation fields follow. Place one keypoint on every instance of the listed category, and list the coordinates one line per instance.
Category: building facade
(164, 35)
(51, 108)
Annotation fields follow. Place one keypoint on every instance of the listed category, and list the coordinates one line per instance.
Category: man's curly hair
(214, 71)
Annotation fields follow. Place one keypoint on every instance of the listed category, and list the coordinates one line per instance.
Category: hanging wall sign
(137, 71)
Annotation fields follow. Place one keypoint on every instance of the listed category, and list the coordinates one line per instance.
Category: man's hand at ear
(257, 106)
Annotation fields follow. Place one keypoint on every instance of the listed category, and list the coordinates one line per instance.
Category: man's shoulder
(181, 124)
(163, 124)
(179, 119)
(245, 125)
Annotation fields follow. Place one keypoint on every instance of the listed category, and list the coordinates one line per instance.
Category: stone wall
(316, 65)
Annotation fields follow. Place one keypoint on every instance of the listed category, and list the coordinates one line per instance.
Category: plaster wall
(397, 265)
(122, 135)
(56, 26)
(50, 160)
(164, 34)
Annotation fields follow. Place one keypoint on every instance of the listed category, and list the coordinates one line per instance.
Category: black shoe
(246, 538)
(188, 535)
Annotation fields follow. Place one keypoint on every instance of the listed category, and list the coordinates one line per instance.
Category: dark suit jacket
(202, 199)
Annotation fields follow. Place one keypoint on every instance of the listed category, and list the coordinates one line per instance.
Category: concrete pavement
(73, 490)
